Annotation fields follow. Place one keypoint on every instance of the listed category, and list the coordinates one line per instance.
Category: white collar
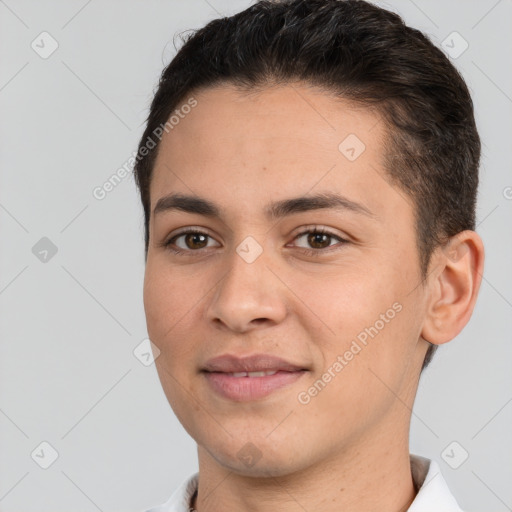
(433, 494)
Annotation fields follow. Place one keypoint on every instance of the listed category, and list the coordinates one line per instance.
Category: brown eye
(189, 241)
(319, 240)
(196, 240)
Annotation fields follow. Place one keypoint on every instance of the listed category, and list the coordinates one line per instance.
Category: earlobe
(453, 288)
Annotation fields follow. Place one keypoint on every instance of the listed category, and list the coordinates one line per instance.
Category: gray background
(69, 325)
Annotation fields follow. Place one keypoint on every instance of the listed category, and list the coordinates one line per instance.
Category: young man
(308, 174)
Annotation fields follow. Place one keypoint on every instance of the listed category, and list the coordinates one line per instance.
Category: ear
(453, 286)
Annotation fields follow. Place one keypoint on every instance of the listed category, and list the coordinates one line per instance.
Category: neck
(373, 474)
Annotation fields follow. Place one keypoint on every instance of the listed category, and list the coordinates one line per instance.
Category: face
(302, 251)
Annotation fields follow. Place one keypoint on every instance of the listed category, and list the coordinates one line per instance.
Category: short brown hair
(360, 52)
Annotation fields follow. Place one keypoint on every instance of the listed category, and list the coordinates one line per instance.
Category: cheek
(346, 301)
(363, 370)
(366, 319)
(170, 303)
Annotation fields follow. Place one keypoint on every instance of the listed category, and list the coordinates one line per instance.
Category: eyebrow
(275, 210)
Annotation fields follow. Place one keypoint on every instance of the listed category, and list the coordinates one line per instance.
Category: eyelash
(309, 252)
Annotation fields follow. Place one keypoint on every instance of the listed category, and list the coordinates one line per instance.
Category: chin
(261, 457)
(264, 467)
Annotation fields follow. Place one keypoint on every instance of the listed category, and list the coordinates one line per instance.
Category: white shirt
(433, 494)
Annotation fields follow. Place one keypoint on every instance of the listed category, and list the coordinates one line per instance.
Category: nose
(249, 296)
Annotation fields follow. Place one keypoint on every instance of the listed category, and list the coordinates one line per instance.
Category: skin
(348, 448)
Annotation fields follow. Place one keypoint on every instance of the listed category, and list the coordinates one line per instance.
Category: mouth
(251, 374)
(250, 378)
(230, 363)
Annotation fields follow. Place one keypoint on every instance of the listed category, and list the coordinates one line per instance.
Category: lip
(218, 370)
(229, 363)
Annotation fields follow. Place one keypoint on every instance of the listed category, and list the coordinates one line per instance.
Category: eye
(319, 239)
(191, 240)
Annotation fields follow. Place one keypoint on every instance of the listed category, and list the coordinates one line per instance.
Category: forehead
(283, 140)
(288, 113)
